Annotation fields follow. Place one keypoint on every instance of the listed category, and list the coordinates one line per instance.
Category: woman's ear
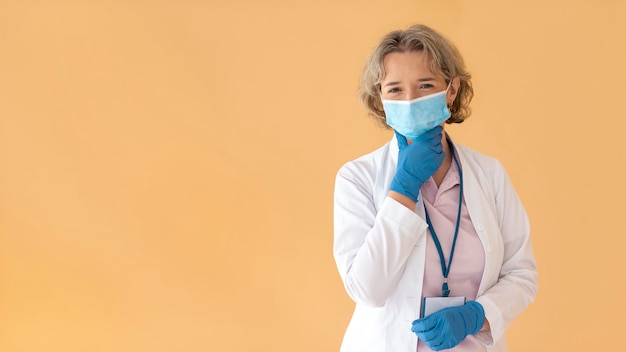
(453, 90)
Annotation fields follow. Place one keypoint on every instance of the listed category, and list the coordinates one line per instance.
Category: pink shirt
(469, 257)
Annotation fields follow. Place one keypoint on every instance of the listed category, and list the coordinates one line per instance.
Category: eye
(393, 90)
(426, 86)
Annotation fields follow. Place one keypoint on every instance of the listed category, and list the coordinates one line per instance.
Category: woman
(431, 239)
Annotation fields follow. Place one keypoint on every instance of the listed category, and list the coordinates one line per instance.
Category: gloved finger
(433, 341)
(435, 337)
(433, 134)
(431, 336)
(436, 147)
(423, 325)
(433, 344)
(443, 344)
(438, 347)
(402, 143)
(428, 343)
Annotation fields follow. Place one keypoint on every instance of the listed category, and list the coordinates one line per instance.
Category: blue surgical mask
(412, 118)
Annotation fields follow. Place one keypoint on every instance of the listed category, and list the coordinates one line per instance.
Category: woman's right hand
(417, 162)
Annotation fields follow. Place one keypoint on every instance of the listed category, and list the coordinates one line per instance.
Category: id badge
(433, 304)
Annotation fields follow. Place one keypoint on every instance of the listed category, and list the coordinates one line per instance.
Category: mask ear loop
(448, 87)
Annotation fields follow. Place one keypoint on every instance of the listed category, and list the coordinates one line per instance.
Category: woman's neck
(439, 175)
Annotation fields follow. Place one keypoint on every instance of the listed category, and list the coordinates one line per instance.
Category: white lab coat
(380, 249)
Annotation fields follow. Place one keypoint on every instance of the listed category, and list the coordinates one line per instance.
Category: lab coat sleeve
(371, 246)
(517, 283)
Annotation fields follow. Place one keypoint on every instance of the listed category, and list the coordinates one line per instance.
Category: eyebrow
(426, 79)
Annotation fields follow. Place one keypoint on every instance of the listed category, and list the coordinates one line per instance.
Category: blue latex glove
(447, 327)
(417, 162)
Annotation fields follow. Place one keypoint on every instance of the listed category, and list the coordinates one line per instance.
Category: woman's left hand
(447, 327)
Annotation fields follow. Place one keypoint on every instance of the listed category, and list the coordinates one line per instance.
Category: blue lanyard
(446, 269)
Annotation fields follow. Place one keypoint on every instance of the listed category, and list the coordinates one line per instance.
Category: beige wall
(167, 167)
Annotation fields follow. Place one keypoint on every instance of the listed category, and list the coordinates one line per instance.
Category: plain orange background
(167, 167)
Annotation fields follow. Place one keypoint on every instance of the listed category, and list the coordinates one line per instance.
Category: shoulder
(367, 178)
(487, 171)
(479, 163)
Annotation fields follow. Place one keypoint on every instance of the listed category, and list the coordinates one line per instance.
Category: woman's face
(408, 76)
